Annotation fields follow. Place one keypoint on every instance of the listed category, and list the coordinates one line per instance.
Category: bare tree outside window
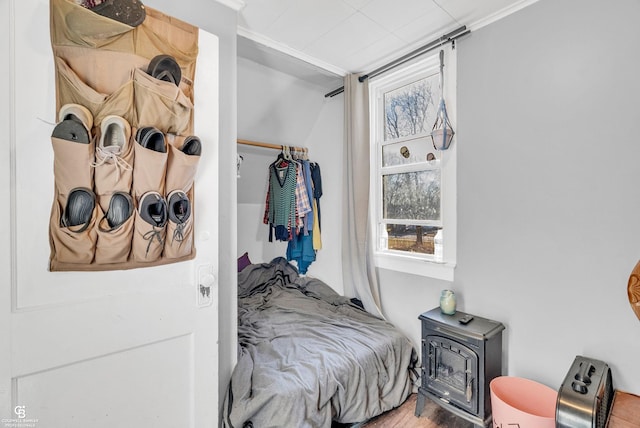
(410, 112)
(413, 183)
(412, 195)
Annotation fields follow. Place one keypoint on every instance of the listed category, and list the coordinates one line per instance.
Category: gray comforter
(308, 356)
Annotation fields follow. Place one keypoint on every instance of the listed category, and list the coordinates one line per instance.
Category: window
(414, 184)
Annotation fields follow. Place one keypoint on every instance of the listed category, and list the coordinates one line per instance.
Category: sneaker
(78, 113)
(165, 67)
(79, 209)
(115, 133)
(192, 146)
(120, 209)
(151, 138)
(153, 209)
(179, 212)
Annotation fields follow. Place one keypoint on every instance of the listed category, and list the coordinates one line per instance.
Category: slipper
(78, 113)
(151, 138)
(120, 209)
(165, 67)
(192, 146)
(130, 12)
(71, 130)
(79, 209)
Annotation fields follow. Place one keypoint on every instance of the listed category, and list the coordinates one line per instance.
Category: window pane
(415, 239)
(410, 109)
(407, 152)
(412, 195)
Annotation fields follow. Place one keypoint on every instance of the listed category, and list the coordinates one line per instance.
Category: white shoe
(77, 112)
(115, 132)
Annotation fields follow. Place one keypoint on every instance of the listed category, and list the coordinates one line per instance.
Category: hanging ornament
(404, 151)
(442, 132)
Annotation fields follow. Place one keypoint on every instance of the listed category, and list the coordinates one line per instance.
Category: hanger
(284, 157)
(280, 161)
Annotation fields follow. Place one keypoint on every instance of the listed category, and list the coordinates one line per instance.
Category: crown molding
(502, 13)
(281, 47)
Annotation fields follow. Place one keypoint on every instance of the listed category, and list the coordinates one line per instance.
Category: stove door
(453, 372)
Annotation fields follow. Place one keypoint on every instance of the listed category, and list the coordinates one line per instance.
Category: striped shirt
(280, 207)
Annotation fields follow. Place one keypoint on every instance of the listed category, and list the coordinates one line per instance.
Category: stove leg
(420, 404)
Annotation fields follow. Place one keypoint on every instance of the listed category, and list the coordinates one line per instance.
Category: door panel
(55, 336)
(118, 385)
(99, 349)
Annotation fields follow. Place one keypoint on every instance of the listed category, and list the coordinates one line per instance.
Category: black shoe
(79, 209)
(179, 212)
(120, 209)
(71, 130)
(151, 138)
(153, 209)
(192, 146)
(77, 112)
(165, 67)
(179, 207)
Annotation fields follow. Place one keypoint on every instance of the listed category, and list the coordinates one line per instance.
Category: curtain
(358, 268)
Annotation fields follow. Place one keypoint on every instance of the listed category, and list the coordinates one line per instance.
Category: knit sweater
(281, 204)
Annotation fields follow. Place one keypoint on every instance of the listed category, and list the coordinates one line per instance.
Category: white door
(133, 348)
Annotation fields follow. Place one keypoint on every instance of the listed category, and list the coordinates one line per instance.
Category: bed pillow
(243, 261)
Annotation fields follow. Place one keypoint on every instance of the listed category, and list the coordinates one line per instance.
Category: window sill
(416, 266)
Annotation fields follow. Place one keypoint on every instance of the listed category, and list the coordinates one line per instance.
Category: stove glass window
(451, 368)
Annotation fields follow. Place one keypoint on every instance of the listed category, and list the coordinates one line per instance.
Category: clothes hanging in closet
(317, 194)
(291, 208)
(280, 212)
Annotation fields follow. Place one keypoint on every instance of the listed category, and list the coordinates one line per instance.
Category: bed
(308, 356)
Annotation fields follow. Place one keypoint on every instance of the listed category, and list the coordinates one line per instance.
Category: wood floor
(433, 416)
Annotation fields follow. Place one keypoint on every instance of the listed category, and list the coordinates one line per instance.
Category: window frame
(414, 263)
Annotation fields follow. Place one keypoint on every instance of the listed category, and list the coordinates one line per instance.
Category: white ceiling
(343, 36)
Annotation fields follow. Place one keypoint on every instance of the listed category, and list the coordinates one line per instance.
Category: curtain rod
(449, 37)
(270, 146)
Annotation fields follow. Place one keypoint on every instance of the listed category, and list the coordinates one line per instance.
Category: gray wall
(548, 230)
(221, 21)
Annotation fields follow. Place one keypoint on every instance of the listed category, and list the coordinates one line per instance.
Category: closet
(275, 109)
(292, 202)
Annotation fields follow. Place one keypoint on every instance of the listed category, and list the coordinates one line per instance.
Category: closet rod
(449, 37)
(270, 146)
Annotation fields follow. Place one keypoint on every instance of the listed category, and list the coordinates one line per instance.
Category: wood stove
(458, 361)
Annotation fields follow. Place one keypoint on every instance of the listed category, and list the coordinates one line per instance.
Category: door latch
(206, 282)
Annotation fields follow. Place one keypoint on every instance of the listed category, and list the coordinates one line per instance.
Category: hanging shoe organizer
(115, 76)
